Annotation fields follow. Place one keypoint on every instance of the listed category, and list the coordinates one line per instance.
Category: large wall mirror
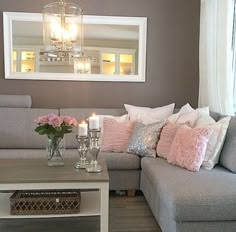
(116, 47)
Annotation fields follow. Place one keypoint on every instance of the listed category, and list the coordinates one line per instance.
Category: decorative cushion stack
(147, 124)
(190, 138)
(189, 147)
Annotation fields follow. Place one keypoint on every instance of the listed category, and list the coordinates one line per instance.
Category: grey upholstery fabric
(121, 161)
(216, 116)
(220, 226)
(157, 205)
(17, 128)
(124, 179)
(228, 153)
(167, 223)
(190, 196)
(82, 114)
(15, 101)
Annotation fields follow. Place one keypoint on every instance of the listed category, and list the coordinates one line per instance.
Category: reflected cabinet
(24, 60)
(118, 62)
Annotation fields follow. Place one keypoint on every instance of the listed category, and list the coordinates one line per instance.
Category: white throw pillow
(187, 108)
(216, 141)
(147, 115)
(189, 119)
(188, 114)
(204, 119)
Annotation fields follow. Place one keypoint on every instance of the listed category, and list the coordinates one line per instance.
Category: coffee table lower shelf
(90, 206)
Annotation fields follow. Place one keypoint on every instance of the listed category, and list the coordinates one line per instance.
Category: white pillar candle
(83, 129)
(94, 122)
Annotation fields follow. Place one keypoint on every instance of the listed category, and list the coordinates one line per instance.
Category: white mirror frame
(8, 17)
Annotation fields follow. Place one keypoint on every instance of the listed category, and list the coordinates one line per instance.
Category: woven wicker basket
(45, 202)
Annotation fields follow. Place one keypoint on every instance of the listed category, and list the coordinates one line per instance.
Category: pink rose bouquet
(55, 126)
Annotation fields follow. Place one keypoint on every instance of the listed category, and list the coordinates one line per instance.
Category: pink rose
(70, 121)
(42, 120)
(51, 116)
(55, 120)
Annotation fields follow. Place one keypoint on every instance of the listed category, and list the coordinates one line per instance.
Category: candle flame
(93, 114)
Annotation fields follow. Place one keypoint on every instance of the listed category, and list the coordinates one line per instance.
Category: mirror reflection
(111, 49)
(114, 49)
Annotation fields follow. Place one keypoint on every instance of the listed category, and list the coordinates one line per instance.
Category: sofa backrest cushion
(82, 114)
(228, 153)
(15, 101)
(17, 128)
(216, 116)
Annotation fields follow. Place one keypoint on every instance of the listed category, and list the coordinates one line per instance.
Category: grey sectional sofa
(181, 201)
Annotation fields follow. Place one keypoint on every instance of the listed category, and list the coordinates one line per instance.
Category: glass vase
(55, 152)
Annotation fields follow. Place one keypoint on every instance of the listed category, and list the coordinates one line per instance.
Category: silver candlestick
(82, 150)
(94, 149)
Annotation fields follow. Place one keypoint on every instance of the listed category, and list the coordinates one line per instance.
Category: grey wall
(172, 58)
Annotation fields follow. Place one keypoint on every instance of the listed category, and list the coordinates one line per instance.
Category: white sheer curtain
(216, 82)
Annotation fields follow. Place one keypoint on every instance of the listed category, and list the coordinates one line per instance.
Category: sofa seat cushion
(201, 196)
(121, 161)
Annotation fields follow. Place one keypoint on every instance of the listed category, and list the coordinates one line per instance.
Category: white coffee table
(35, 174)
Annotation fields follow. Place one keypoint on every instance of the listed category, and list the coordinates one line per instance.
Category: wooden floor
(127, 214)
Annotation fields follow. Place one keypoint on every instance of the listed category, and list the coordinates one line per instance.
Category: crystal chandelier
(62, 29)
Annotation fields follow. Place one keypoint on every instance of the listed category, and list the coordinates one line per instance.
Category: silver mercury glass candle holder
(94, 148)
(82, 150)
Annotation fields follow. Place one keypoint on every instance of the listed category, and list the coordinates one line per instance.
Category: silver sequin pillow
(144, 139)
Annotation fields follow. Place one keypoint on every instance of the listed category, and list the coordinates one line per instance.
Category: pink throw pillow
(116, 135)
(166, 138)
(189, 147)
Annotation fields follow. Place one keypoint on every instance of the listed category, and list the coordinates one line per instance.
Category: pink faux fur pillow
(166, 138)
(189, 147)
(116, 135)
